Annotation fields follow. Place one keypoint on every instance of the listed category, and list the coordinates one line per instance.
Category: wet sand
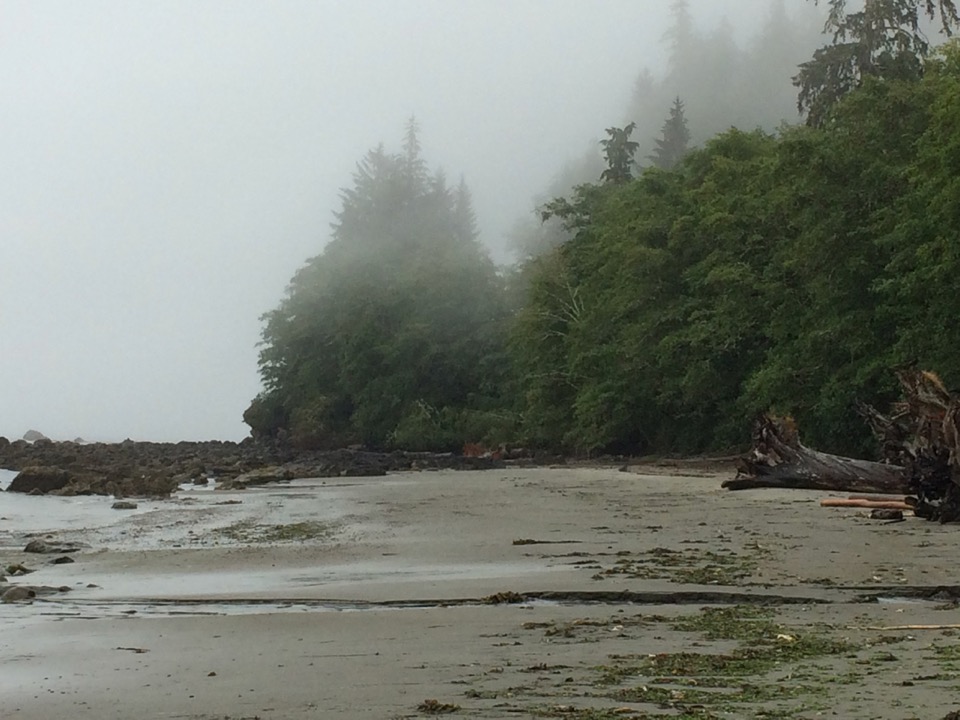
(367, 598)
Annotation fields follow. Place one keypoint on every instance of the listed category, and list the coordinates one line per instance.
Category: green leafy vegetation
(786, 272)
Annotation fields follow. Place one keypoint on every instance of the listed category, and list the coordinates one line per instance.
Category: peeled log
(779, 460)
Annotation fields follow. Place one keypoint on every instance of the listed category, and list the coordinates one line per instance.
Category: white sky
(165, 167)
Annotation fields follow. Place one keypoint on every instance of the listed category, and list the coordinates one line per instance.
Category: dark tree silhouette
(884, 39)
(618, 150)
(674, 141)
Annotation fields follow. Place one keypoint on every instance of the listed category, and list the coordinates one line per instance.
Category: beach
(550, 592)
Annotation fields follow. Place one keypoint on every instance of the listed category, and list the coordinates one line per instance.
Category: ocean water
(6, 476)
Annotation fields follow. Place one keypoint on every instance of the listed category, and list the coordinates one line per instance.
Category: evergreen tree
(386, 337)
(682, 41)
(674, 140)
(618, 150)
(884, 39)
(464, 218)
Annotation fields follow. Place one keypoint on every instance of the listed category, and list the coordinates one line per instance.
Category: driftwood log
(779, 460)
(919, 441)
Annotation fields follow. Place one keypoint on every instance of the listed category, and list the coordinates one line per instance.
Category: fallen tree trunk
(779, 460)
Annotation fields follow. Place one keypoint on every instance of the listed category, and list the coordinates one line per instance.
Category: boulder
(17, 594)
(124, 505)
(34, 435)
(261, 476)
(40, 479)
(51, 547)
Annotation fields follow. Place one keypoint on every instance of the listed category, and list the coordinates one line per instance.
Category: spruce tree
(618, 151)
(884, 39)
(674, 141)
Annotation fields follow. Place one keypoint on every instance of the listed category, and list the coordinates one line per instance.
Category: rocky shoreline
(147, 469)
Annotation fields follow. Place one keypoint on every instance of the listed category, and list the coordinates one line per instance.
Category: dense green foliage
(665, 308)
(788, 272)
(391, 336)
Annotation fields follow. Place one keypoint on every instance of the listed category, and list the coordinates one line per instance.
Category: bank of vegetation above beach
(683, 292)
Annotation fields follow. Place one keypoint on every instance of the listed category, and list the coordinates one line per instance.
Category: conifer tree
(884, 39)
(674, 141)
(618, 150)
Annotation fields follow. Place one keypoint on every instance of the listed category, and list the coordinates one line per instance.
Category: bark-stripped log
(779, 460)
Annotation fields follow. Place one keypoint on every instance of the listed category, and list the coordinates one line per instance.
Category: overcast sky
(166, 166)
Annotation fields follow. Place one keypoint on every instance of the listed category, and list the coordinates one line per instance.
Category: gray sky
(166, 166)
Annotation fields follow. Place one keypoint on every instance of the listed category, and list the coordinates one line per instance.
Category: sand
(372, 598)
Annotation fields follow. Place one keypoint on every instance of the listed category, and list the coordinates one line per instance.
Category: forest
(702, 273)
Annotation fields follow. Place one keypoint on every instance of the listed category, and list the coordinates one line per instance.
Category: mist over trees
(724, 83)
(720, 82)
(659, 309)
(394, 329)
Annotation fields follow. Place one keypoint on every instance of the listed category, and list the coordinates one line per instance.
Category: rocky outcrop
(41, 480)
(142, 469)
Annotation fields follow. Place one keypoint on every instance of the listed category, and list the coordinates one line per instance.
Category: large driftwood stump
(779, 460)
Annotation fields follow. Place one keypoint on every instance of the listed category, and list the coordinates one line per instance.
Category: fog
(166, 167)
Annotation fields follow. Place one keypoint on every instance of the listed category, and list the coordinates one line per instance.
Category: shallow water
(192, 521)
(6, 477)
(194, 517)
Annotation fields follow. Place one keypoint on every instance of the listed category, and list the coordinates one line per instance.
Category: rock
(17, 594)
(34, 435)
(886, 514)
(256, 477)
(50, 547)
(41, 479)
(201, 481)
(18, 569)
(124, 505)
(62, 560)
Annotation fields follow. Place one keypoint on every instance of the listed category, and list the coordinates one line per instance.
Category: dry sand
(364, 598)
